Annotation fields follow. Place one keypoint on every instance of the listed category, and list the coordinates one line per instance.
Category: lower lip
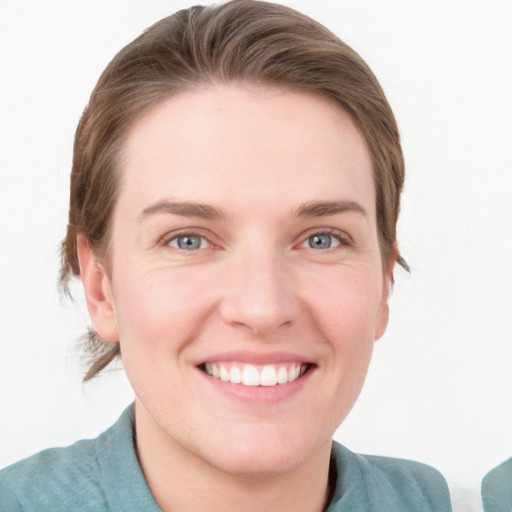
(267, 394)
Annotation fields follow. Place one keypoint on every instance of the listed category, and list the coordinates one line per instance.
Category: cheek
(346, 314)
(357, 317)
(347, 304)
(158, 306)
(158, 317)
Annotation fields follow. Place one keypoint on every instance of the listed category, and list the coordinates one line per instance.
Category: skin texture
(254, 291)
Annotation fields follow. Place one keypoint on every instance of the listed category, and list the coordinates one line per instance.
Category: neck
(181, 481)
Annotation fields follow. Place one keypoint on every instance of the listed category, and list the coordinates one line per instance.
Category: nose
(259, 294)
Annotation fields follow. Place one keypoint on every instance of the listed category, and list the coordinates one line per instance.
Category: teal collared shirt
(497, 488)
(103, 474)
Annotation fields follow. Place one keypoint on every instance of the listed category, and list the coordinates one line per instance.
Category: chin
(258, 462)
(267, 452)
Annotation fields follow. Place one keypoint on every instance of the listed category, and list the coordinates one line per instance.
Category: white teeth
(282, 376)
(294, 372)
(268, 375)
(250, 376)
(235, 375)
(223, 374)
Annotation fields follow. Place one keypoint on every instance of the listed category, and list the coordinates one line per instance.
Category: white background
(440, 385)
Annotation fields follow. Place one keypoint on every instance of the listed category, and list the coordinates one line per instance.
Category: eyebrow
(324, 208)
(202, 211)
(205, 211)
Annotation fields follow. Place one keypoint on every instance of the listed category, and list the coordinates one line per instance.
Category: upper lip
(258, 358)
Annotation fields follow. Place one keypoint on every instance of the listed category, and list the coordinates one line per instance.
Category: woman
(234, 198)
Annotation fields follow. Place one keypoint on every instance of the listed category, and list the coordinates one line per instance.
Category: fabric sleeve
(8, 500)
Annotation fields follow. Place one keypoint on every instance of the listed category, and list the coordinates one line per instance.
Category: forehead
(226, 141)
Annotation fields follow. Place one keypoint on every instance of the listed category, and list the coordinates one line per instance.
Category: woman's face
(247, 287)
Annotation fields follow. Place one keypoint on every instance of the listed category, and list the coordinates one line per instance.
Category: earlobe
(382, 321)
(98, 292)
(383, 314)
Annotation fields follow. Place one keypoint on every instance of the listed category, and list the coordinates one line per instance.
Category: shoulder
(88, 476)
(56, 479)
(94, 475)
(368, 482)
(497, 488)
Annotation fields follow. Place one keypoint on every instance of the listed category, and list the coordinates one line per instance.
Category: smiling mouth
(256, 375)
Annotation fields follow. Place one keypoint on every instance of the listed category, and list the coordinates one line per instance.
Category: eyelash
(342, 238)
(167, 239)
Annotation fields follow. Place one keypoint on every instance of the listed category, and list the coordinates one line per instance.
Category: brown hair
(240, 41)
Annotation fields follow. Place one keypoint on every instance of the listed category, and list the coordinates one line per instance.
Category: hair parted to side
(242, 41)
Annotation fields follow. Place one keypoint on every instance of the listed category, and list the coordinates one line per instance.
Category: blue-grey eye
(322, 241)
(188, 242)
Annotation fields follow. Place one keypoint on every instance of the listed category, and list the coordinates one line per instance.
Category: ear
(383, 313)
(98, 292)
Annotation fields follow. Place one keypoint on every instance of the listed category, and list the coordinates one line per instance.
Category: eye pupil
(320, 241)
(189, 243)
